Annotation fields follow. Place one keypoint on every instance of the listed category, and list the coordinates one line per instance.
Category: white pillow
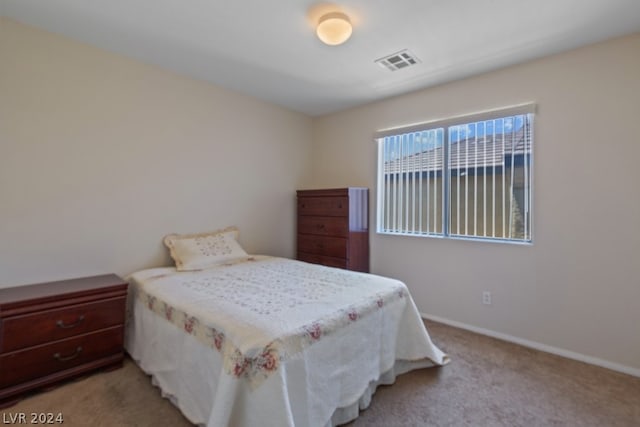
(204, 250)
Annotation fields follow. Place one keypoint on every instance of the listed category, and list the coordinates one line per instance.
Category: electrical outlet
(486, 298)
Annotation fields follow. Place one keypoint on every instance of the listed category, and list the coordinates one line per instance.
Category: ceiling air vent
(398, 60)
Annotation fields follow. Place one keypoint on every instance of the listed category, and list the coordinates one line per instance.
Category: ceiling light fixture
(334, 28)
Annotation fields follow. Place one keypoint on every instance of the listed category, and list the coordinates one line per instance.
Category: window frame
(515, 110)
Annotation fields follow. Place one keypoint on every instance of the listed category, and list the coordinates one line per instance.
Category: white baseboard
(538, 346)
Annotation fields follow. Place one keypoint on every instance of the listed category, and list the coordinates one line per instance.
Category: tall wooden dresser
(57, 330)
(333, 227)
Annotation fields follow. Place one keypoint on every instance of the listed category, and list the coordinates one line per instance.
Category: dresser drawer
(324, 225)
(34, 362)
(323, 206)
(323, 245)
(51, 325)
(323, 260)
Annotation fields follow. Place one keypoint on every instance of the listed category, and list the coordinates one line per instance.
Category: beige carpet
(488, 383)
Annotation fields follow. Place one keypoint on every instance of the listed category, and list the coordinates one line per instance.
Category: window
(467, 177)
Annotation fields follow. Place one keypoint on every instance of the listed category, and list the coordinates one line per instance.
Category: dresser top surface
(331, 192)
(78, 287)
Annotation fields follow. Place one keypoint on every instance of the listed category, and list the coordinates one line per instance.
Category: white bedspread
(272, 341)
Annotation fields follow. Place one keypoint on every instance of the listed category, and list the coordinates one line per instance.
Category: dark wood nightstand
(53, 331)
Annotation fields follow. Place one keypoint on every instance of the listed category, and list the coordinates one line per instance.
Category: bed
(259, 340)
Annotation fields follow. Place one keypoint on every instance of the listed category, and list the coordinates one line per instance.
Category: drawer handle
(320, 226)
(60, 323)
(61, 358)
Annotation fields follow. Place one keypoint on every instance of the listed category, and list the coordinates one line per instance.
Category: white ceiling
(268, 49)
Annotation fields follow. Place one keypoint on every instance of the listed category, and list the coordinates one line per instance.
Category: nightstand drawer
(52, 325)
(324, 225)
(323, 206)
(34, 362)
(322, 245)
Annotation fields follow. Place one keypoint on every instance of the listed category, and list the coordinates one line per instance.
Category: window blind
(466, 177)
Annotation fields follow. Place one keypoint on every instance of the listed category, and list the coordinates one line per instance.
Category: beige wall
(101, 156)
(577, 287)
